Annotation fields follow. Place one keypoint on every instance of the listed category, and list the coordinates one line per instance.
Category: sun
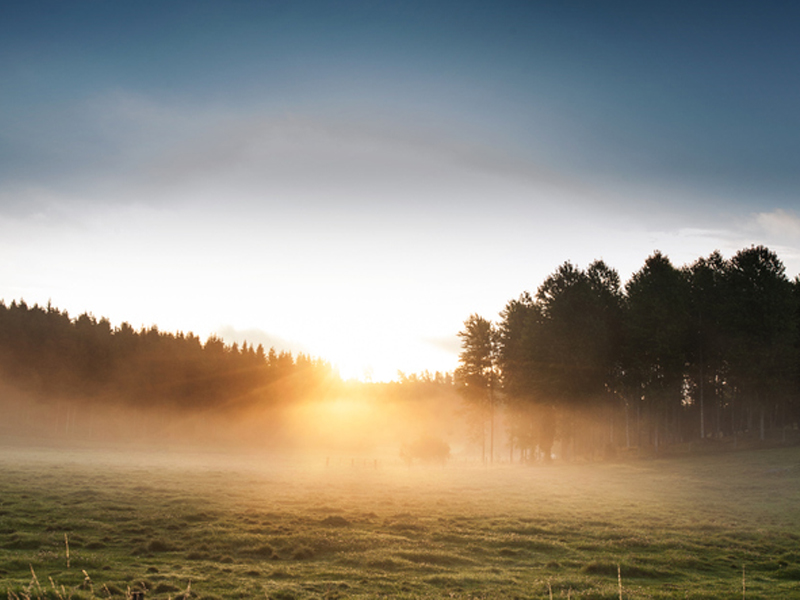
(367, 330)
(364, 356)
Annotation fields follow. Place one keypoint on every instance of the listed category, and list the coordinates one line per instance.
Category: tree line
(46, 353)
(78, 379)
(677, 355)
(586, 366)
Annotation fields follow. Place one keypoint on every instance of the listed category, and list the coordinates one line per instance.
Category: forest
(67, 379)
(678, 358)
(44, 351)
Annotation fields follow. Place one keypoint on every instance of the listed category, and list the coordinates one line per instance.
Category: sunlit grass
(249, 526)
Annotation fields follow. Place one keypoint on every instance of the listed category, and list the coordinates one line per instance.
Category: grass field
(224, 526)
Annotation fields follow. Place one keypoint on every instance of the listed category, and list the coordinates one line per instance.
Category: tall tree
(532, 424)
(559, 352)
(706, 280)
(761, 324)
(477, 373)
(577, 354)
(656, 331)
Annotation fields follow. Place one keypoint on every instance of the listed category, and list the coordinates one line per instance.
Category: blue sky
(354, 179)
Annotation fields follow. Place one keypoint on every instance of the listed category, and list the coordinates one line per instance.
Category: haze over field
(352, 180)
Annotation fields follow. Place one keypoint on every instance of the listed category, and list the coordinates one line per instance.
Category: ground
(216, 525)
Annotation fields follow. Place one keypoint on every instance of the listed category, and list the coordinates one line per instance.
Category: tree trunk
(483, 442)
(491, 427)
(639, 423)
(627, 428)
(702, 404)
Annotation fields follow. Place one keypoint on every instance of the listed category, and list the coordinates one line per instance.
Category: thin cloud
(148, 150)
(311, 153)
(780, 223)
(450, 344)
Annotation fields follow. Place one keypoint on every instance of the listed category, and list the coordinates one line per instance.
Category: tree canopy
(676, 354)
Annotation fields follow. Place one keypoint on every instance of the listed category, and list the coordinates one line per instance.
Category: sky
(353, 180)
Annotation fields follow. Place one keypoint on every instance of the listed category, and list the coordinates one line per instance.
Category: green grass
(255, 527)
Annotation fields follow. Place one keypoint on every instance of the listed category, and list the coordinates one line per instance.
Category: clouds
(368, 101)
(147, 151)
(780, 223)
(782, 230)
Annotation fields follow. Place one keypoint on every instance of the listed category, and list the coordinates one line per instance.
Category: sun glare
(370, 345)
(345, 409)
(337, 421)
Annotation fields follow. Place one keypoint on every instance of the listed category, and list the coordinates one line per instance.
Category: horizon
(231, 338)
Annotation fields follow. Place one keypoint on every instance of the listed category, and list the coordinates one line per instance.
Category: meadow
(131, 524)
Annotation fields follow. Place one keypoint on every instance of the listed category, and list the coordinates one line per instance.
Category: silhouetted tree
(760, 319)
(532, 424)
(657, 331)
(707, 372)
(476, 374)
(65, 361)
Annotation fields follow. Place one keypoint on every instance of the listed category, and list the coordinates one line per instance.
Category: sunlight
(365, 338)
(336, 422)
(345, 408)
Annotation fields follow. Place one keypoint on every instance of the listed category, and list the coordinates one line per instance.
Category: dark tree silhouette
(476, 375)
(70, 363)
(681, 354)
(760, 319)
(657, 330)
(520, 323)
(708, 365)
(560, 353)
